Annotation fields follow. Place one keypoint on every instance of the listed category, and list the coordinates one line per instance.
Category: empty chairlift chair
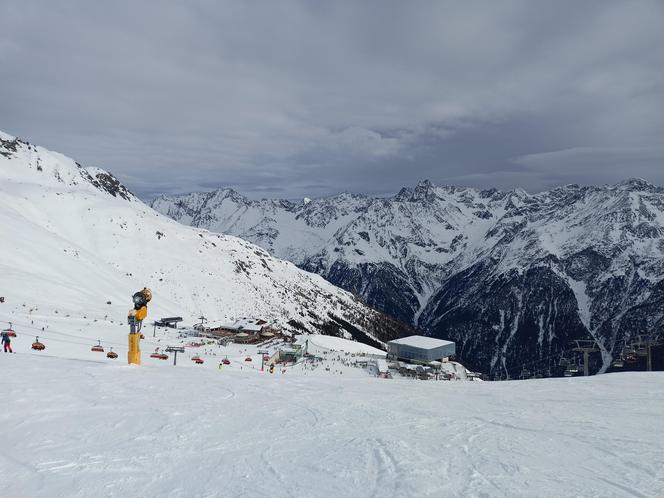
(571, 370)
(98, 348)
(630, 355)
(159, 356)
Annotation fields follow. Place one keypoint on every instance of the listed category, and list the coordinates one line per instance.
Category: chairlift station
(420, 348)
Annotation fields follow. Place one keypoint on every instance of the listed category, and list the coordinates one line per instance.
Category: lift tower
(586, 347)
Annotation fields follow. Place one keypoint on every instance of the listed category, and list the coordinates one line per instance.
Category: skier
(7, 343)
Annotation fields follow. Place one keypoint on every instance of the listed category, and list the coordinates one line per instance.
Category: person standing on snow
(6, 343)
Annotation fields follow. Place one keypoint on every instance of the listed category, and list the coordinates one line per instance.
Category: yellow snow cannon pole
(134, 354)
(135, 319)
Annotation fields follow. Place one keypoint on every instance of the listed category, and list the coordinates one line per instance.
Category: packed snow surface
(74, 428)
(331, 343)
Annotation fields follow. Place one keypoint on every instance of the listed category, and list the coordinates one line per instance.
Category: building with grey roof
(420, 348)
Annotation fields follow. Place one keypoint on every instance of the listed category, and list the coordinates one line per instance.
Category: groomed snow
(330, 343)
(75, 428)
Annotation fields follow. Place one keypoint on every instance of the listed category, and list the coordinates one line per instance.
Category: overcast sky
(309, 98)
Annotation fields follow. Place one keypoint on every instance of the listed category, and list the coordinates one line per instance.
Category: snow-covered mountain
(512, 277)
(75, 238)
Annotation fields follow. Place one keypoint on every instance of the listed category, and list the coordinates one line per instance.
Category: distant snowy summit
(510, 276)
(78, 239)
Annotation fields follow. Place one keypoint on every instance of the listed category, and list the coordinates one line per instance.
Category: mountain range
(512, 277)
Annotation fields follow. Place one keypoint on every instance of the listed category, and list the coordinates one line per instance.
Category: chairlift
(112, 354)
(248, 358)
(642, 350)
(10, 332)
(38, 346)
(159, 356)
(525, 373)
(618, 363)
(629, 355)
(571, 370)
(226, 361)
(98, 348)
(199, 361)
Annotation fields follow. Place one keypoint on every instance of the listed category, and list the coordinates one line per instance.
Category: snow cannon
(135, 319)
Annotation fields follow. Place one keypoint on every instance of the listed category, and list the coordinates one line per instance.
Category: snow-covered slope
(78, 429)
(511, 277)
(74, 239)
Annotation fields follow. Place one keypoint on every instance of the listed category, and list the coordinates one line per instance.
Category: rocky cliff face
(512, 277)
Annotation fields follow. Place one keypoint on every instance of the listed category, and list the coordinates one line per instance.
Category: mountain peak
(635, 183)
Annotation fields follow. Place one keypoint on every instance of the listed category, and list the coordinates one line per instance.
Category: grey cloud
(302, 98)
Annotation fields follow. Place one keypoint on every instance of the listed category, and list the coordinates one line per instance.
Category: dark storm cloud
(310, 98)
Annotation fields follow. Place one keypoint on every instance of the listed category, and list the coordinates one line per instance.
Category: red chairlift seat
(266, 358)
(199, 361)
(248, 358)
(112, 355)
(9, 331)
(98, 348)
(226, 361)
(38, 346)
(159, 356)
